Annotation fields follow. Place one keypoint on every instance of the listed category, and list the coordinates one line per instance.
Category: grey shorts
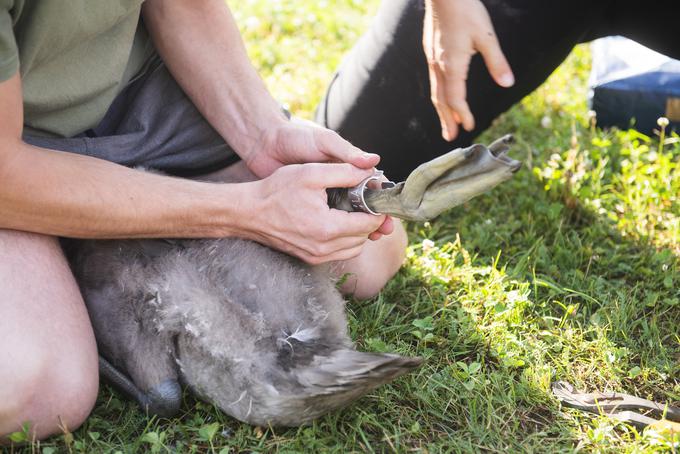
(151, 123)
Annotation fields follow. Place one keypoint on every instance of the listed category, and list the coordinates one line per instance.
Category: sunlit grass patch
(297, 45)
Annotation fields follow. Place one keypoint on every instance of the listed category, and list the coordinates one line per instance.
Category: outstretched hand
(455, 30)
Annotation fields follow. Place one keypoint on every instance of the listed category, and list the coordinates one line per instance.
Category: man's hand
(453, 32)
(289, 211)
(300, 142)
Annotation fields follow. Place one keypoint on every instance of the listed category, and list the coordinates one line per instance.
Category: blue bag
(632, 86)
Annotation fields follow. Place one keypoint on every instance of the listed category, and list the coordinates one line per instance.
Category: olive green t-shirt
(74, 57)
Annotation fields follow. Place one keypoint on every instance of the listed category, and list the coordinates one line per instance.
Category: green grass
(570, 272)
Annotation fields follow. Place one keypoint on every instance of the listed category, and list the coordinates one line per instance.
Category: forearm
(70, 195)
(201, 45)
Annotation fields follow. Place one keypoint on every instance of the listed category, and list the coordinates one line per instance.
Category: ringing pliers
(624, 407)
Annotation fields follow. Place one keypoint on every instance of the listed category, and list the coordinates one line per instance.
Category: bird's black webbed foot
(163, 400)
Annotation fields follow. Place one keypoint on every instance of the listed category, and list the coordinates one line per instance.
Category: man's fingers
(375, 236)
(387, 227)
(338, 149)
(456, 91)
(363, 225)
(332, 175)
(449, 91)
(495, 60)
(356, 224)
(446, 115)
(339, 249)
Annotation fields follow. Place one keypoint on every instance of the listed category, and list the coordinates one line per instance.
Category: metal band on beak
(356, 194)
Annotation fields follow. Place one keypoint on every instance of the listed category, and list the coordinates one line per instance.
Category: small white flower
(662, 122)
(546, 122)
(428, 245)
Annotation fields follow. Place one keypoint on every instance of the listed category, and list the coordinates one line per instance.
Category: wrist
(262, 156)
(247, 133)
(232, 210)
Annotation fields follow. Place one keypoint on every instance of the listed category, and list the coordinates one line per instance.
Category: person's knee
(50, 392)
(76, 391)
(21, 379)
(377, 266)
(394, 253)
(48, 357)
(391, 259)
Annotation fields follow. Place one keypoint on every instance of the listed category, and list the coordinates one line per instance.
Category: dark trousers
(380, 97)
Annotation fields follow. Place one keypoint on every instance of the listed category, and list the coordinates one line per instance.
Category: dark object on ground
(633, 85)
(627, 408)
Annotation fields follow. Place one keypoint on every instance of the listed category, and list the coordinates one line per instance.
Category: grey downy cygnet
(258, 333)
(254, 331)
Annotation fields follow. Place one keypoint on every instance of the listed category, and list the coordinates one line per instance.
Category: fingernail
(507, 80)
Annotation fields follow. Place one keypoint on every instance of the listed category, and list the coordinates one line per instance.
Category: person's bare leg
(379, 261)
(48, 355)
